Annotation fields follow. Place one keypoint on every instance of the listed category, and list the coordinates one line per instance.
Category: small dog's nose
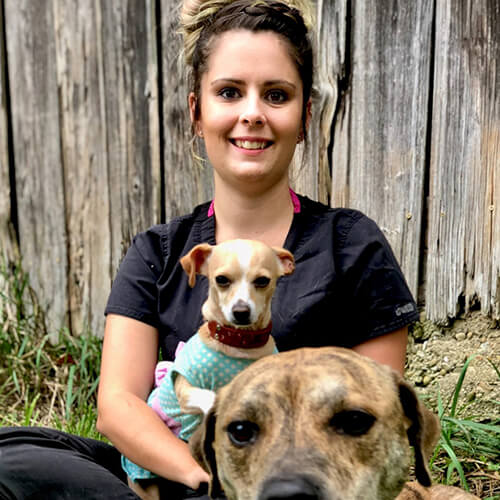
(295, 488)
(241, 313)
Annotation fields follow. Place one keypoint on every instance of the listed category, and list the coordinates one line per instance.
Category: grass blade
(459, 384)
(69, 392)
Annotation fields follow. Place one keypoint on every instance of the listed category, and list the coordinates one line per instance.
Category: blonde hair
(196, 13)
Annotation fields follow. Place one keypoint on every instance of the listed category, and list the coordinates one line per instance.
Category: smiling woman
(250, 120)
(251, 73)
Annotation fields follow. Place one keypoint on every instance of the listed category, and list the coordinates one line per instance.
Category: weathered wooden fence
(94, 140)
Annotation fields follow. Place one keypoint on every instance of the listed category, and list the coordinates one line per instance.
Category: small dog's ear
(201, 445)
(193, 262)
(287, 261)
(423, 432)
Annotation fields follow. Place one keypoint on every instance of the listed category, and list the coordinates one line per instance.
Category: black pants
(38, 463)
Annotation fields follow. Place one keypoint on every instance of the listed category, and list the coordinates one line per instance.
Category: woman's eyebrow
(226, 80)
(268, 83)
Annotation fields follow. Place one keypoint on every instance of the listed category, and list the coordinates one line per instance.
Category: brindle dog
(319, 424)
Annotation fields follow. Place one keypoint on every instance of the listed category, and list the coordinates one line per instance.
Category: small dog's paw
(201, 400)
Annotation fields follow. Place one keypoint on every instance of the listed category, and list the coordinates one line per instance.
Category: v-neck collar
(293, 241)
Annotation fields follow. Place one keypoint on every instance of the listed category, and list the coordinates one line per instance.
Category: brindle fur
(292, 397)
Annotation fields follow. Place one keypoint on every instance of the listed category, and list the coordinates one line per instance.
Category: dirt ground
(436, 356)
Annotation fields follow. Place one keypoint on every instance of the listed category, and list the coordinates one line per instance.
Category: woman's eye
(352, 422)
(228, 93)
(261, 282)
(222, 281)
(277, 96)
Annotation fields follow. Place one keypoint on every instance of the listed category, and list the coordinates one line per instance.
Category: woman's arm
(389, 349)
(129, 356)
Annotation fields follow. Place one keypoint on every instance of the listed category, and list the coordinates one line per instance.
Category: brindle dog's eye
(242, 433)
(222, 281)
(352, 422)
(261, 281)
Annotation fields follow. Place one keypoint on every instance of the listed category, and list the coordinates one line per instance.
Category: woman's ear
(194, 113)
(308, 113)
(305, 123)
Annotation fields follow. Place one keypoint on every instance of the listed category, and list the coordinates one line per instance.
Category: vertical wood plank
(109, 135)
(380, 135)
(129, 61)
(463, 265)
(84, 157)
(186, 184)
(7, 237)
(36, 137)
(313, 177)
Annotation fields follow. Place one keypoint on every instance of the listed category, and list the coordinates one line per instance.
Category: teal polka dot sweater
(202, 367)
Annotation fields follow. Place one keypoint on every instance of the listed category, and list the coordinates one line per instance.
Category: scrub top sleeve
(380, 300)
(134, 292)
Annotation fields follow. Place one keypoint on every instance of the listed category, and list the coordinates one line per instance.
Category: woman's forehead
(243, 54)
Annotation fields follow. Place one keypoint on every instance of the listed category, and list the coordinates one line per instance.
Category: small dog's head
(317, 424)
(242, 276)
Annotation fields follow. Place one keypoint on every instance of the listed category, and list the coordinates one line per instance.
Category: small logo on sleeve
(407, 308)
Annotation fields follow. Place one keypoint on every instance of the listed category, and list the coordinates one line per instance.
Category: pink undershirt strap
(293, 196)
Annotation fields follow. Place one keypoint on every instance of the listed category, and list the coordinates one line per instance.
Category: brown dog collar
(237, 337)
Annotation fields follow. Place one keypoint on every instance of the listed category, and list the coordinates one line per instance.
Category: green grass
(43, 384)
(468, 452)
(55, 385)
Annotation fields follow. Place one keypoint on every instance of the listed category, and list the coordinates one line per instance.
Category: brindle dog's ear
(201, 444)
(424, 430)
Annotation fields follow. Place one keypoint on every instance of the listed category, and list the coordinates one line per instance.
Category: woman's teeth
(251, 144)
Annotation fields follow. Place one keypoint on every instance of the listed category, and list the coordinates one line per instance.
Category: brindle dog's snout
(293, 488)
(241, 313)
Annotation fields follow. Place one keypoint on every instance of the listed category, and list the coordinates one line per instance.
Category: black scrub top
(347, 286)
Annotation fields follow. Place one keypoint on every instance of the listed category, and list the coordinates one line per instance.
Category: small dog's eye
(261, 281)
(222, 280)
(352, 422)
(242, 433)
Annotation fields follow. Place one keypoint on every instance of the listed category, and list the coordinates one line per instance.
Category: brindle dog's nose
(241, 313)
(295, 488)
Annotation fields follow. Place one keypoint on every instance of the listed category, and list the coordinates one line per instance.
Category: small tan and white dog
(242, 277)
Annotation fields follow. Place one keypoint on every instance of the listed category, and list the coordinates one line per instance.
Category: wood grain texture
(7, 237)
(37, 150)
(312, 176)
(99, 122)
(85, 121)
(463, 265)
(186, 184)
(378, 159)
(129, 61)
(109, 137)
(84, 158)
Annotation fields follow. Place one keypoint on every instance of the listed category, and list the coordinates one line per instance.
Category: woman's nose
(253, 113)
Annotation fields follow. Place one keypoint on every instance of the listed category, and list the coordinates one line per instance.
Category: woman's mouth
(251, 144)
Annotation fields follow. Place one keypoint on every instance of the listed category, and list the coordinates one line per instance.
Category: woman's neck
(266, 217)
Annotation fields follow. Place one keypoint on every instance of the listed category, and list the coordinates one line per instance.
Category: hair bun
(195, 14)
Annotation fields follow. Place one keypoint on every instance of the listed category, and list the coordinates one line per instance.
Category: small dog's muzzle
(241, 313)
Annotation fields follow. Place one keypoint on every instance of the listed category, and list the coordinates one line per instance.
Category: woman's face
(250, 110)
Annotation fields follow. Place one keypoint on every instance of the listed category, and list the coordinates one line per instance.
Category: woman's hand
(129, 357)
(196, 478)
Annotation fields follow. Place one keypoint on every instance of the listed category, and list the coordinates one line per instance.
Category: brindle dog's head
(317, 424)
